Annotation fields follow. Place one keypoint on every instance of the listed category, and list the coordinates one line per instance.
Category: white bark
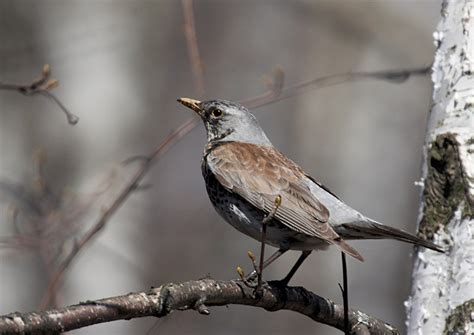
(442, 297)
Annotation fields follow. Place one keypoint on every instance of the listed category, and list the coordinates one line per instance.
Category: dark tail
(375, 230)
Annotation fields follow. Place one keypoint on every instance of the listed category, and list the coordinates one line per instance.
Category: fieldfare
(244, 174)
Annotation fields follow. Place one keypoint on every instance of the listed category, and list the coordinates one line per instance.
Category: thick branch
(196, 295)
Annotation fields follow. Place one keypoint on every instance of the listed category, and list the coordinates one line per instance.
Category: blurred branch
(132, 185)
(42, 86)
(193, 49)
(277, 92)
(43, 219)
(345, 294)
(197, 295)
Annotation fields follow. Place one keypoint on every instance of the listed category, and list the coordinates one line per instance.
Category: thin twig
(345, 294)
(193, 49)
(262, 255)
(274, 95)
(197, 295)
(42, 86)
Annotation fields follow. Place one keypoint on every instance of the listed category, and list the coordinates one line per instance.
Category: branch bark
(197, 295)
(442, 298)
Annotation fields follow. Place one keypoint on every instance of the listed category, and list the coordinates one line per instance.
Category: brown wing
(259, 174)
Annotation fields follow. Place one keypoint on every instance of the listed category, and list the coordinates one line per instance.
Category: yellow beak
(191, 103)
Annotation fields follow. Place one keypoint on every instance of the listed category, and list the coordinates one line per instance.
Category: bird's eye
(216, 113)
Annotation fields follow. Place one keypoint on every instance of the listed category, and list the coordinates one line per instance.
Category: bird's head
(227, 121)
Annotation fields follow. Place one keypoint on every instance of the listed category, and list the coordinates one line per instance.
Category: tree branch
(197, 295)
(192, 46)
(277, 91)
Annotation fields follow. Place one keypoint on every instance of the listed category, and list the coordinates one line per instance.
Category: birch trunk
(442, 297)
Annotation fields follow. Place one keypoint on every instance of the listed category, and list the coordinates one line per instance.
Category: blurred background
(121, 65)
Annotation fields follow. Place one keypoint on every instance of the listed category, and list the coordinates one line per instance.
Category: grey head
(227, 121)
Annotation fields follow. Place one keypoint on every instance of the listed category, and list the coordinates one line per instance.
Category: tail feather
(347, 249)
(375, 230)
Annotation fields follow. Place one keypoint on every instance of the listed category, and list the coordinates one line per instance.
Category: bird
(244, 175)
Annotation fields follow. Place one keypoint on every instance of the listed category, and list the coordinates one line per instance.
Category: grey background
(122, 64)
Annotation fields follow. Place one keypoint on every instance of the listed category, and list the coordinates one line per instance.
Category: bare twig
(42, 86)
(44, 220)
(193, 49)
(197, 295)
(276, 91)
(345, 294)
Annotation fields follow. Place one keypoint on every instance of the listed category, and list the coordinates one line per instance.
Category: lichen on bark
(460, 321)
(445, 188)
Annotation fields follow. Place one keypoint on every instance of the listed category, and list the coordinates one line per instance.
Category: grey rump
(244, 174)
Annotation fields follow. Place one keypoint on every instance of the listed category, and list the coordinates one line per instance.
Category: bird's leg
(295, 267)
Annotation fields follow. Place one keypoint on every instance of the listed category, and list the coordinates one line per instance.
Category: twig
(197, 295)
(277, 93)
(345, 295)
(193, 49)
(42, 86)
(42, 217)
